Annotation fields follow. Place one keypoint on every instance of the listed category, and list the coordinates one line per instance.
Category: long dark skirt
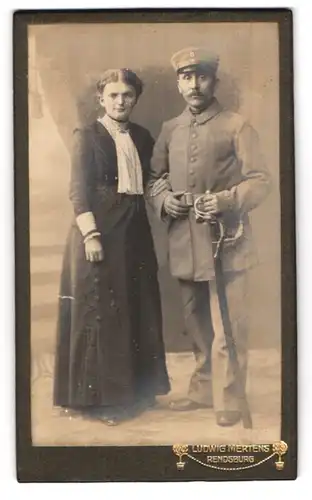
(110, 349)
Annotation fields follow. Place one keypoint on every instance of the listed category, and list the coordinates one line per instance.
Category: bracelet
(91, 235)
(92, 231)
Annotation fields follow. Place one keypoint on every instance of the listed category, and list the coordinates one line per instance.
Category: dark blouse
(94, 162)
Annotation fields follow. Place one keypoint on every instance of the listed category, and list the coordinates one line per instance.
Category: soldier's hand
(210, 205)
(94, 250)
(174, 207)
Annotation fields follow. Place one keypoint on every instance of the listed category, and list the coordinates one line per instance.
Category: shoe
(110, 421)
(106, 416)
(228, 418)
(69, 412)
(187, 405)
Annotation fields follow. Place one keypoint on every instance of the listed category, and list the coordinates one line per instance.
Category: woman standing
(110, 357)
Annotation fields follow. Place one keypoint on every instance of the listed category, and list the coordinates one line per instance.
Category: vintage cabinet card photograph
(155, 248)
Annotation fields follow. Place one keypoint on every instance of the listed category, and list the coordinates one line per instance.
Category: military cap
(195, 56)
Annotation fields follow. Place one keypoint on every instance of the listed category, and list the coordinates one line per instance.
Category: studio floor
(160, 425)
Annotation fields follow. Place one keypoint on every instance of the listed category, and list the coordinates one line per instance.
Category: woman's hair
(124, 75)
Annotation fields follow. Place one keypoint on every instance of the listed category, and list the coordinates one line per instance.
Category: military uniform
(215, 150)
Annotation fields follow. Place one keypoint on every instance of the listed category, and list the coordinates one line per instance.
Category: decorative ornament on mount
(180, 450)
(280, 448)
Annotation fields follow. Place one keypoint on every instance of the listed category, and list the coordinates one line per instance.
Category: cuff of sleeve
(226, 201)
(161, 209)
(86, 223)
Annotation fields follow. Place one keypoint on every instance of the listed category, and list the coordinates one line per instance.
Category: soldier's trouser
(213, 381)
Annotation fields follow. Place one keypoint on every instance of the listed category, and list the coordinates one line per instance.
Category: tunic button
(192, 183)
(193, 159)
(96, 280)
(194, 135)
(194, 147)
(97, 297)
(98, 318)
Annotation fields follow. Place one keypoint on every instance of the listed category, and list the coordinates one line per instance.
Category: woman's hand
(162, 184)
(94, 250)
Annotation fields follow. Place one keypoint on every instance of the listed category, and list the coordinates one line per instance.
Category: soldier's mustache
(195, 94)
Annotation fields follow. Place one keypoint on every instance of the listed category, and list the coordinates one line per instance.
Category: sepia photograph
(126, 322)
(155, 238)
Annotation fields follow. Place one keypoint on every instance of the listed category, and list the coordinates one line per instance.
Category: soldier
(211, 153)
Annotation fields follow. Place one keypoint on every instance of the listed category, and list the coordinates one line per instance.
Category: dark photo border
(147, 463)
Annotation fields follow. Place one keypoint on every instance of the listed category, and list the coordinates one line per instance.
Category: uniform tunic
(215, 150)
(110, 347)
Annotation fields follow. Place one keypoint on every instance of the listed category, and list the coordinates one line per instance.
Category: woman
(110, 358)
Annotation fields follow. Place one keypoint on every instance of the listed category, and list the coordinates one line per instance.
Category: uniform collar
(213, 110)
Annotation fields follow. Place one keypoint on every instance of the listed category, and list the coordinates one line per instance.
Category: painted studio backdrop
(64, 63)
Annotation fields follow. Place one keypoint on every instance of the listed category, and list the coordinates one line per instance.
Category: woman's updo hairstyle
(124, 75)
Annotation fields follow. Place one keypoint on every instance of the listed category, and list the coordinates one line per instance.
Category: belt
(190, 199)
(220, 233)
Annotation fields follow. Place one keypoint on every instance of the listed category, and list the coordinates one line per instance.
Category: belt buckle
(188, 199)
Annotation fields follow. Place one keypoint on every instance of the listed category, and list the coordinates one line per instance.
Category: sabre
(224, 309)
